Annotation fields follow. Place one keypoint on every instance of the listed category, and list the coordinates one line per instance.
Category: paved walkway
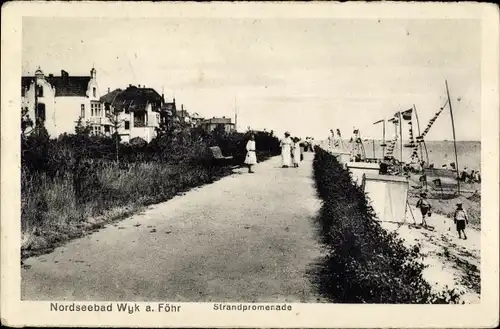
(246, 237)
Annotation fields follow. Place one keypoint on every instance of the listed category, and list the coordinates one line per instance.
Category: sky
(302, 75)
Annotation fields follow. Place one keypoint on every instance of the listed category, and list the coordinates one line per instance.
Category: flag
(437, 182)
(338, 133)
(393, 120)
(407, 114)
(422, 178)
(379, 121)
(452, 164)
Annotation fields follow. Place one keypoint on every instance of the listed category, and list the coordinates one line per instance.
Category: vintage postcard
(279, 165)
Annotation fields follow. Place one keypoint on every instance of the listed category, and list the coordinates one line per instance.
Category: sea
(440, 153)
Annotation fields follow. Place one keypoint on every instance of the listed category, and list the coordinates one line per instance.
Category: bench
(218, 157)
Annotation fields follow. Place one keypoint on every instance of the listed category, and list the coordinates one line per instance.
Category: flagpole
(418, 128)
(401, 141)
(423, 141)
(373, 144)
(454, 139)
(383, 142)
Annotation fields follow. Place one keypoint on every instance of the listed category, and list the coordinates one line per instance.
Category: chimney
(139, 86)
(64, 74)
(51, 75)
(109, 90)
(223, 117)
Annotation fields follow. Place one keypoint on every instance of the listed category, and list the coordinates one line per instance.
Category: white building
(223, 123)
(59, 101)
(135, 110)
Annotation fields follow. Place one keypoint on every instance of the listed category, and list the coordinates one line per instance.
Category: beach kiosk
(359, 168)
(387, 195)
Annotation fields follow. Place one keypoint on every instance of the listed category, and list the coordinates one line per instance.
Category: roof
(169, 107)
(110, 97)
(183, 113)
(218, 121)
(386, 178)
(133, 99)
(64, 85)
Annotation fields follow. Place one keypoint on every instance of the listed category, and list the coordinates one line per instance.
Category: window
(40, 112)
(127, 125)
(96, 109)
(107, 109)
(140, 119)
(82, 111)
(94, 92)
(40, 91)
(106, 129)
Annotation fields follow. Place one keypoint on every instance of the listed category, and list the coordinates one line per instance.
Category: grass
(51, 215)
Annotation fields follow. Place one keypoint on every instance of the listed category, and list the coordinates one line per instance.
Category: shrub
(364, 263)
(65, 181)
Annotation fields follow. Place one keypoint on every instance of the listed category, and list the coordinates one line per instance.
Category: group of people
(459, 217)
(292, 152)
(473, 177)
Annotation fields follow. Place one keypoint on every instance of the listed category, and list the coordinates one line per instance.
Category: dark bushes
(65, 181)
(364, 263)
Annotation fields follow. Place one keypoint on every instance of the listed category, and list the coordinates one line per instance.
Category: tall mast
(401, 140)
(235, 115)
(422, 141)
(383, 141)
(454, 139)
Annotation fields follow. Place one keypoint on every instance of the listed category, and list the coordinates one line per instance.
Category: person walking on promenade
(296, 152)
(286, 150)
(425, 207)
(461, 220)
(251, 158)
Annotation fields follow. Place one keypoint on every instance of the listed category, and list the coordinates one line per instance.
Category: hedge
(364, 263)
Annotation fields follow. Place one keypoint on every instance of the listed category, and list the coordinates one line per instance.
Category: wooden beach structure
(388, 195)
(358, 169)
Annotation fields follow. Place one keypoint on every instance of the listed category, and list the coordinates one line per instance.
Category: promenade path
(246, 237)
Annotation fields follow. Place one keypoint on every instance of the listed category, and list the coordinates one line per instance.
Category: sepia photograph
(252, 163)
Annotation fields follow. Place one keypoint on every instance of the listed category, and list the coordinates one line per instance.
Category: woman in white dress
(286, 150)
(251, 158)
(296, 152)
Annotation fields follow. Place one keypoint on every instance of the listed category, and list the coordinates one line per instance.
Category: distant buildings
(167, 112)
(58, 101)
(218, 123)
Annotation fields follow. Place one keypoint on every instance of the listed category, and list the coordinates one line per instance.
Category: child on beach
(461, 220)
(425, 207)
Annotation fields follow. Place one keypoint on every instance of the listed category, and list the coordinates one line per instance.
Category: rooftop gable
(65, 85)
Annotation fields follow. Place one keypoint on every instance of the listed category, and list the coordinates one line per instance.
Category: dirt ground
(450, 261)
(246, 237)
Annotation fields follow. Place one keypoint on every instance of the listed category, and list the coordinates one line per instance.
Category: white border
(17, 313)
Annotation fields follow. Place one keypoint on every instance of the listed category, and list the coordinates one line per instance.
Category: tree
(26, 122)
(114, 117)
